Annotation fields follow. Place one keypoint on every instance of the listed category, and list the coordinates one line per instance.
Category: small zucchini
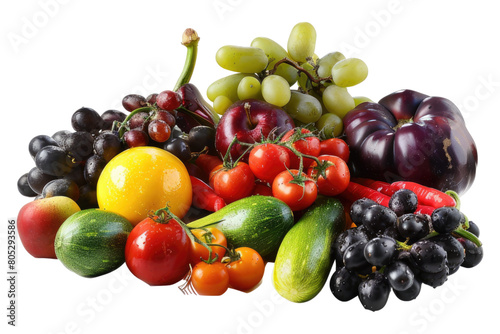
(305, 258)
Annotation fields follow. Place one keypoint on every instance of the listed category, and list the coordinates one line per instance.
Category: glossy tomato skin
(337, 175)
(246, 272)
(268, 160)
(335, 146)
(297, 197)
(234, 183)
(158, 253)
(214, 236)
(309, 146)
(210, 279)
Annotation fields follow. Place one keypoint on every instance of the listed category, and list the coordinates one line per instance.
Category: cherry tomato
(308, 145)
(262, 189)
(212, 236)
(158, 252)
(296, 196)
(337, 175)
(268, 160)
(234, 183)
(210, 279)
(335, 146)
(246, 272)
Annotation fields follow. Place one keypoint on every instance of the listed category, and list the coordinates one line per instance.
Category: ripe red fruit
(168, 100)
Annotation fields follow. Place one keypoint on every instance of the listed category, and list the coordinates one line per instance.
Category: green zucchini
(258, 222)
(304, 259)
(92, 242)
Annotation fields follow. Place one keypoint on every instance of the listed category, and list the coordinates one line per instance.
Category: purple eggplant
(194, 109)
(414, 137)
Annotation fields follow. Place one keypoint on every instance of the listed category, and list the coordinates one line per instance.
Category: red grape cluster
(151, 118)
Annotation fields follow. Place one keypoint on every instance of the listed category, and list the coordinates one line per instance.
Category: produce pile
(283, 165)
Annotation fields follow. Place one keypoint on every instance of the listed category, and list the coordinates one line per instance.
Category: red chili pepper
(204, 197)
(426, 195)
(207, 162)
(357, 191)
(387, 189)
(380, 186)
(425, 209)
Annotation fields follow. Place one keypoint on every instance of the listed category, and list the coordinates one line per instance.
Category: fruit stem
(298, 135)
(299, 68)
(247, 108)
(460, 231)
(225, 162)
(171, 215)
(190, 40)
(231, 256)
(455, 197)
(467, 235)
(123, 125)
(403, 245)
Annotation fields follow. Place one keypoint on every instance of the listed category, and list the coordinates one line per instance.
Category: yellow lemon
(141, 180)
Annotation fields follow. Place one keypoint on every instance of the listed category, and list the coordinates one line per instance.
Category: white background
(58, 56)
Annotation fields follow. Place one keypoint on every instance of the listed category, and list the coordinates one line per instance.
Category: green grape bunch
(312, 90)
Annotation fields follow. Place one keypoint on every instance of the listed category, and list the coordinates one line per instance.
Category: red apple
(38, 222)
(249, 121)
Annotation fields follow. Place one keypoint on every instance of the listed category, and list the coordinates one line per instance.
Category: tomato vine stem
(187, 229)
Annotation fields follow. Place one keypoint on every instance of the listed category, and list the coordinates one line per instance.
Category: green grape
(227, 86)
(276, 90)
(349, 72)
(302, 42)
(249, 88)
(326, 63)
(330, 125)
(337, 100)
(221, 103)
(302, 81)
(241, 59)
(360, 99)
(303, 107)
(274, 53)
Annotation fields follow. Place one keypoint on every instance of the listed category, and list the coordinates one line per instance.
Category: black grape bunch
(394, 249)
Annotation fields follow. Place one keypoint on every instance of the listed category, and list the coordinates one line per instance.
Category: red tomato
(262, 189)
(213, 236)
(296, 196)
(268, 160)
(308, 145)
(335, 146)
(210, 279)
(232, 184)
(337, 175)
(158, 253)
(246, 272)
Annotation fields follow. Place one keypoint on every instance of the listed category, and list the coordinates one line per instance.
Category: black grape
(374, 291)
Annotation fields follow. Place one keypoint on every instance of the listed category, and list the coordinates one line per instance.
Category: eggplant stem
(190, 40)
